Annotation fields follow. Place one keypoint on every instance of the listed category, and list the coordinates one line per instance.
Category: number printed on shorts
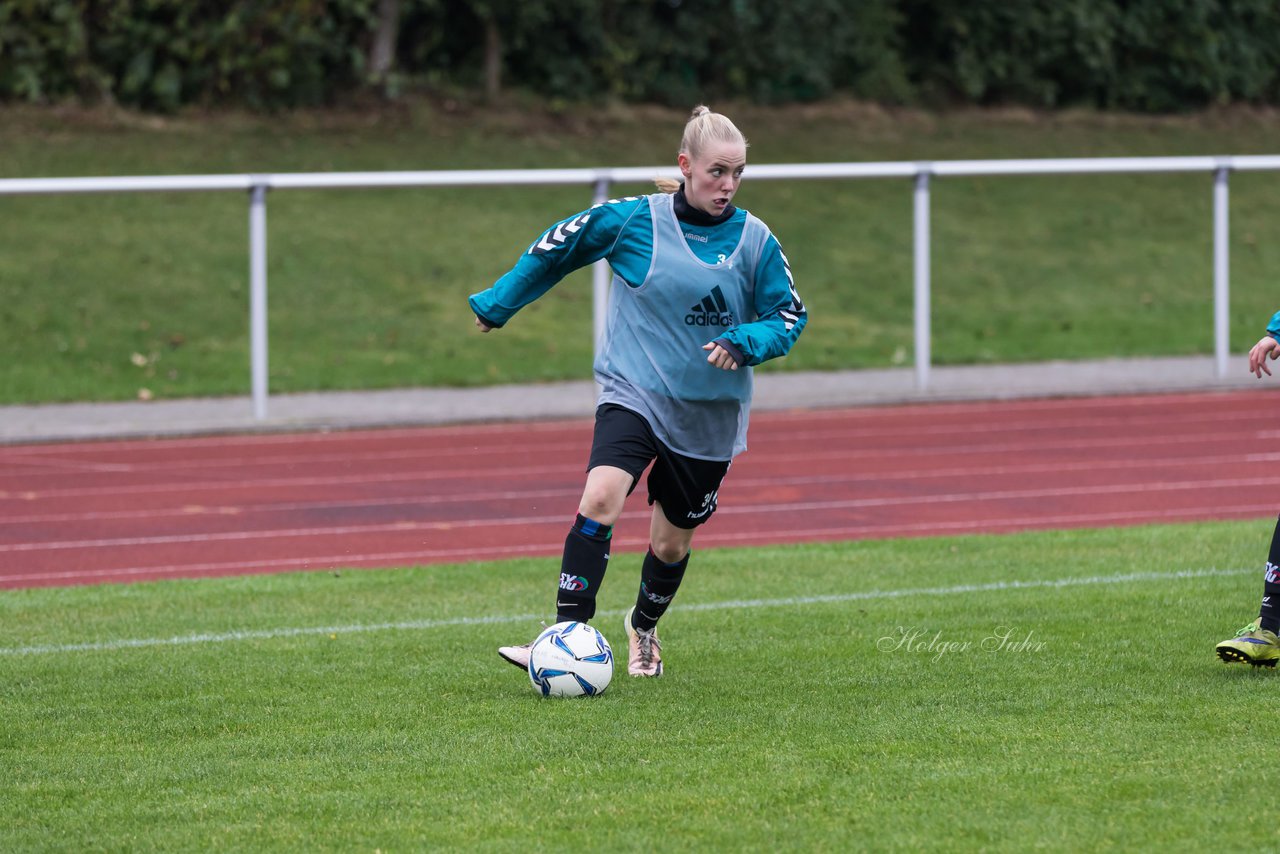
(708, 505)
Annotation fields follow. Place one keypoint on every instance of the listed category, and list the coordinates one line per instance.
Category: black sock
(1270, 613)
(586, 556)
(658, 585)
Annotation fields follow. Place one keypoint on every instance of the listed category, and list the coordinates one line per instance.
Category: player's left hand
(720, 357)
(1268, 347)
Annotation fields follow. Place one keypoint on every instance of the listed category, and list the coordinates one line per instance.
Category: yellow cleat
(1253, 645)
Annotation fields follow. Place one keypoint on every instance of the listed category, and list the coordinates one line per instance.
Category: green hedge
(1149, 55)
(162, 54)
(1145, 55)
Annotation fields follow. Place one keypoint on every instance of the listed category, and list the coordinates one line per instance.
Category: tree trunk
(383, 55)
(492, 59)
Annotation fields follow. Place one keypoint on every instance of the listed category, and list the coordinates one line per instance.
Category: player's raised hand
(1267, 347)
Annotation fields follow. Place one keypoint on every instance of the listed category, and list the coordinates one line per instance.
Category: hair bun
(699, 111)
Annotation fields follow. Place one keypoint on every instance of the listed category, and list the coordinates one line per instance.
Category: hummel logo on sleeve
(712, 311)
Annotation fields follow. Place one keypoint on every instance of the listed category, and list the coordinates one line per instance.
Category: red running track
(117, 511)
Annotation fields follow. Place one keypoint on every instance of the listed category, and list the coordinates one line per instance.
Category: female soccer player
(1256, 643)
(701, 292)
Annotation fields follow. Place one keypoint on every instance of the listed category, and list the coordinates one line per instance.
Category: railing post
(599, 279)
(1221, 270)
(923, 323)
(258, 297)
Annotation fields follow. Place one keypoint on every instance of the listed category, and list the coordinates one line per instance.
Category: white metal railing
(600, 180)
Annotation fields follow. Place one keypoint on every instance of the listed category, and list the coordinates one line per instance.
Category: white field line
(734, 604)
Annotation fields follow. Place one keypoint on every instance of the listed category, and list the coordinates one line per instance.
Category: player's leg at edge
(1256, 643)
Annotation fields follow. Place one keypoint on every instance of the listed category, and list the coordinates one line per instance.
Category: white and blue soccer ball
(570, 660)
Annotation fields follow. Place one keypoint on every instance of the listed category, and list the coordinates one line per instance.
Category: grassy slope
(101, 296)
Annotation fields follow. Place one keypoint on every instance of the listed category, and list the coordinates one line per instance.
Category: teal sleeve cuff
(732, 349)
(480, 313)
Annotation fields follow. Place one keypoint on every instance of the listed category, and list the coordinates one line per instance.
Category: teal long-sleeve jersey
(621, 232)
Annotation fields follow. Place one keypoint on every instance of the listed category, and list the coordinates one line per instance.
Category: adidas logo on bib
(712, 311)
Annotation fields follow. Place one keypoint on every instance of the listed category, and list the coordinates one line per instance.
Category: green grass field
(818, 697)
(103, 296)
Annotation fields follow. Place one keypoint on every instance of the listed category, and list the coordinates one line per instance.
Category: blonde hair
(703, 128)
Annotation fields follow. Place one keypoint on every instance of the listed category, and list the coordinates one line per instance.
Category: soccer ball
(570, 660)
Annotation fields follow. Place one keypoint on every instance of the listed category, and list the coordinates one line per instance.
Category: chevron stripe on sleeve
(570, 244)
(793, 313)
(781, 315)
(563, 233)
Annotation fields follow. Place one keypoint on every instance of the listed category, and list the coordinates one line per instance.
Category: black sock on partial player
(586, 557)
(1269, 616)
(658, 585)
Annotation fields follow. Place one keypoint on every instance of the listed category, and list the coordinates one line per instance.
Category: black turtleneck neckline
(686, 212)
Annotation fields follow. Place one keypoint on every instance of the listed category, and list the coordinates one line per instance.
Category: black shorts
(686, 487)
